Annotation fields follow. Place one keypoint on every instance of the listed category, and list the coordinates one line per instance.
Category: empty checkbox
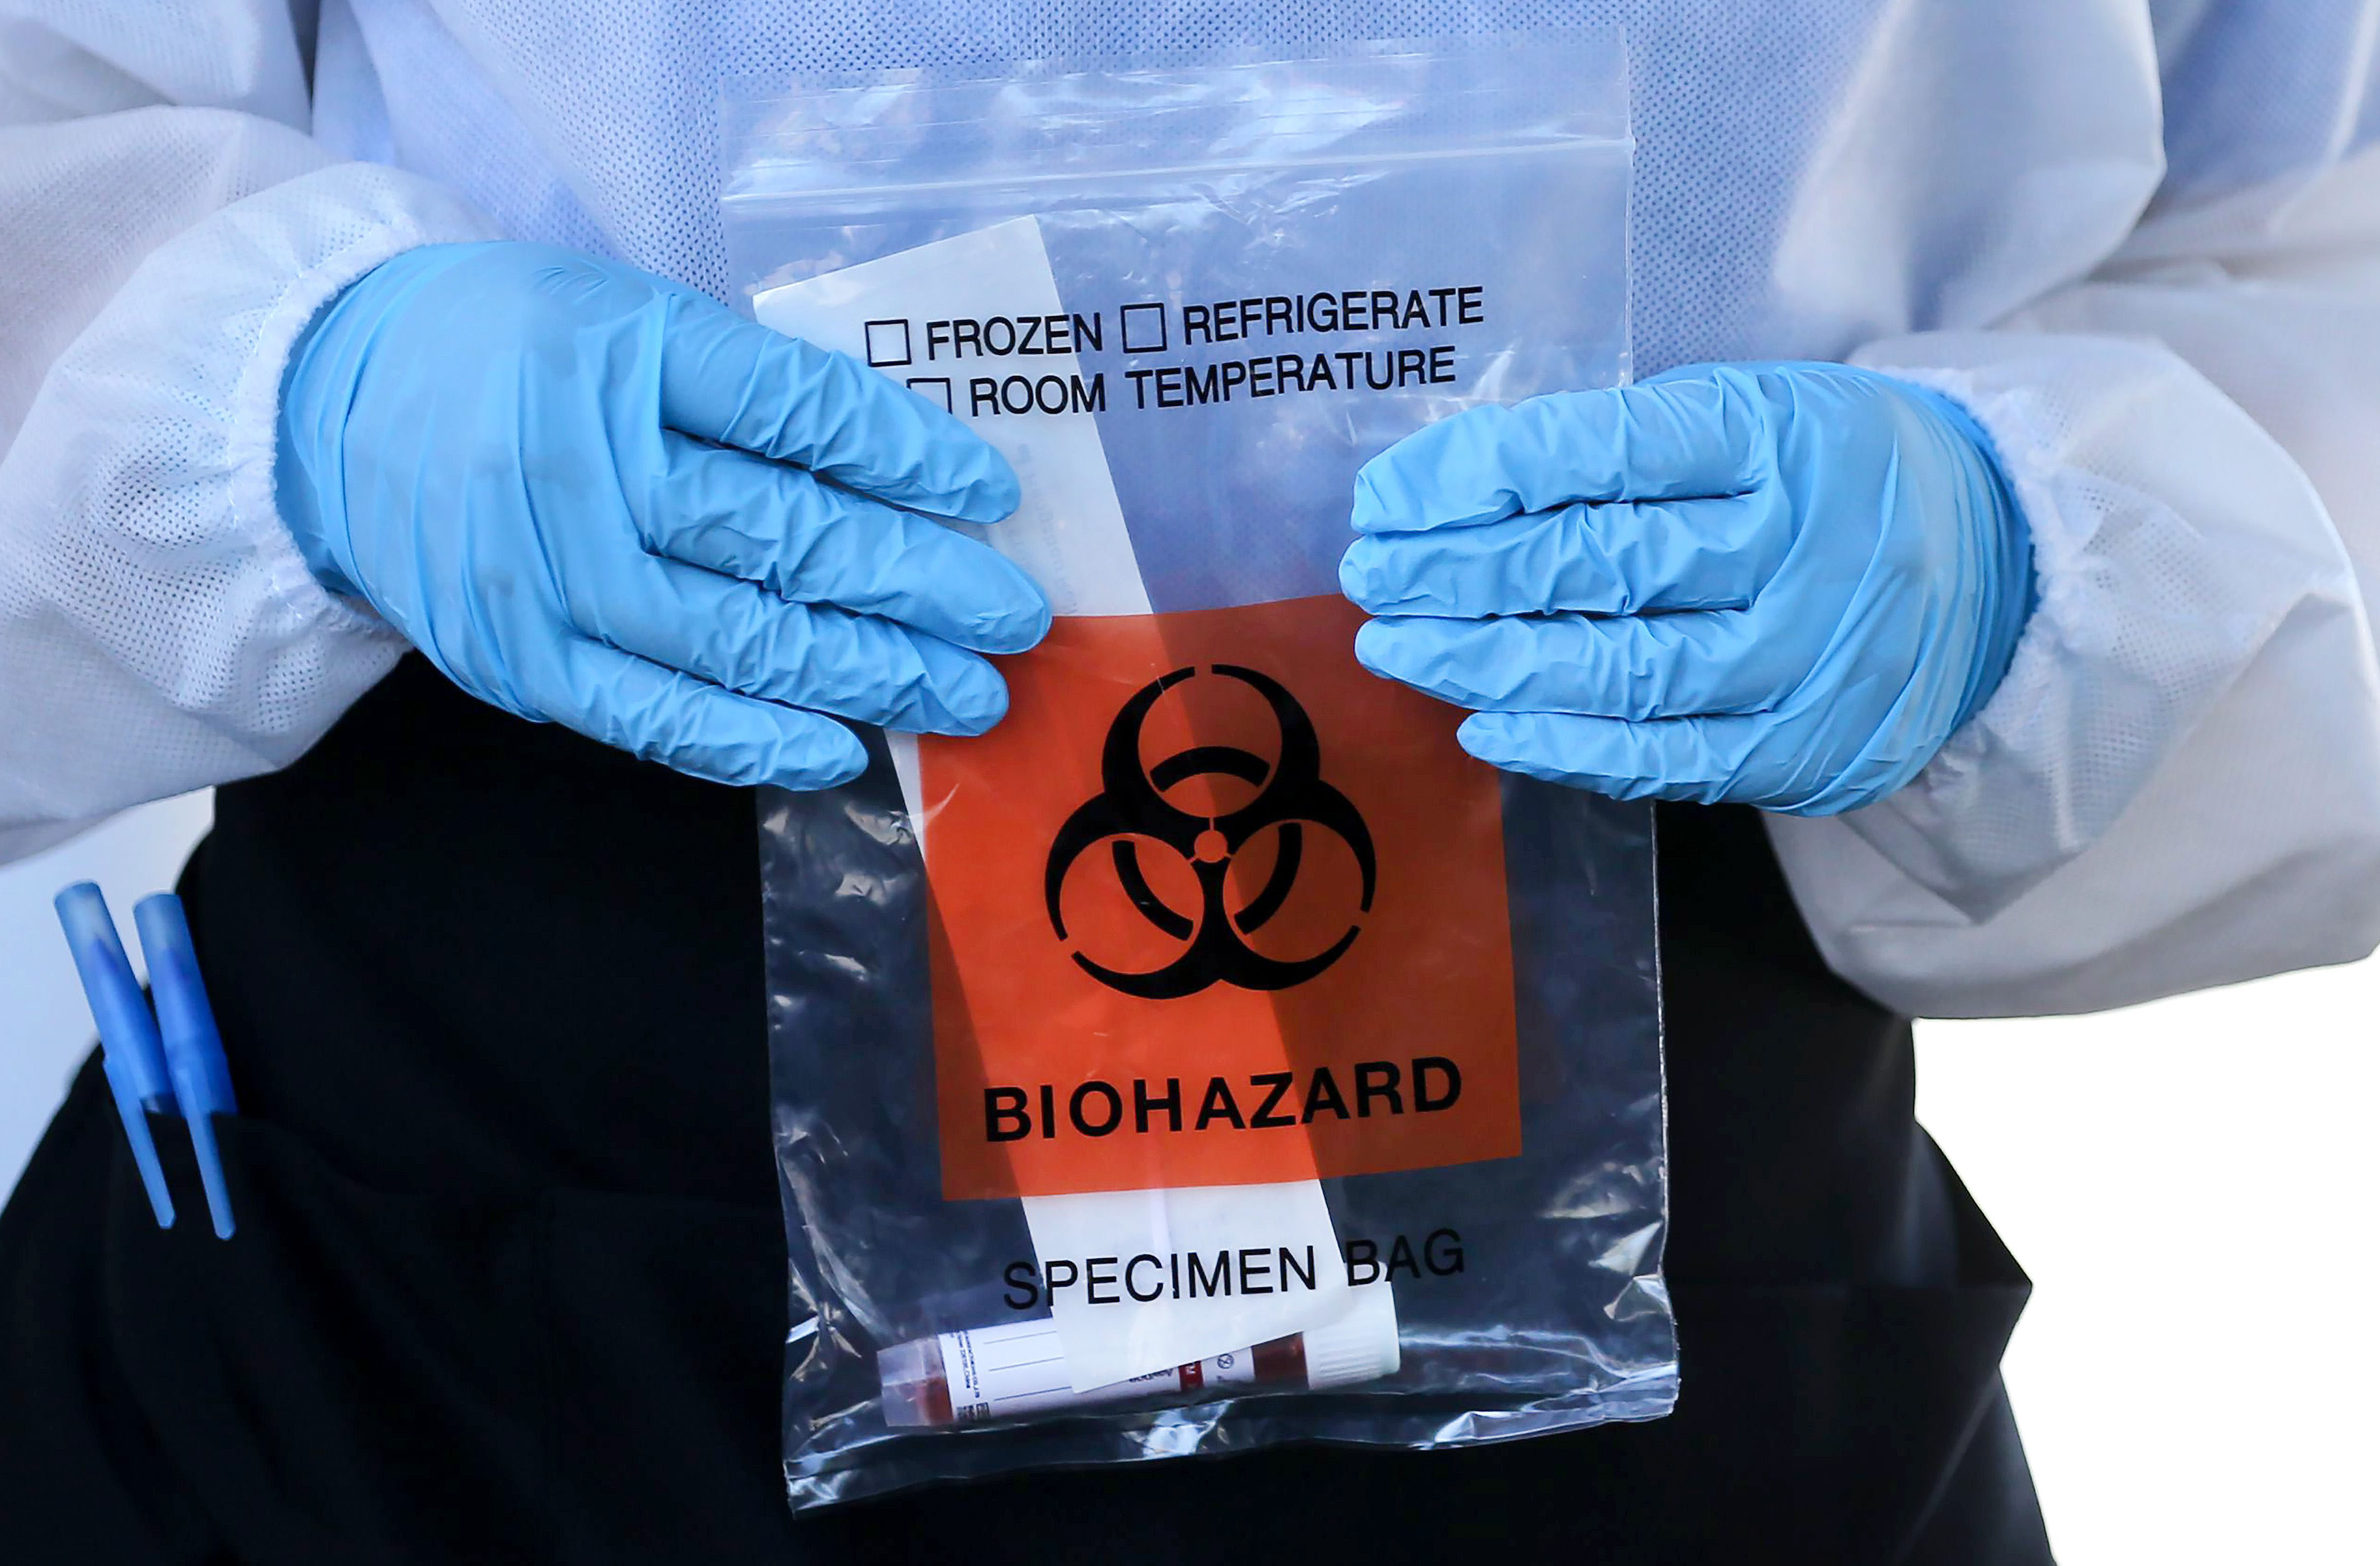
(888, 344)
(1144, 329)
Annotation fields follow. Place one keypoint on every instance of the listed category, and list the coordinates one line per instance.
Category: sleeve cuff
(2163, 567)
(391, 212)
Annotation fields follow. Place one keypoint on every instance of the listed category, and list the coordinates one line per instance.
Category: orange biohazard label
(1214, 905)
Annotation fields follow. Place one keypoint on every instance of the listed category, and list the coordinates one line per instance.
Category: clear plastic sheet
(1463, 207)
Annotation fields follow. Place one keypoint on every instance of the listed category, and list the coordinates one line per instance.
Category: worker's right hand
(594, 497)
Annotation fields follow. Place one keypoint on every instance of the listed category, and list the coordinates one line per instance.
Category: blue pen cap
(194, 1051)
(131, 1051)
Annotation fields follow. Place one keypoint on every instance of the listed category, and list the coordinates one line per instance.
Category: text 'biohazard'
(1214, 905)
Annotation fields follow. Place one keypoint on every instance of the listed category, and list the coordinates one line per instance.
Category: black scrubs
(509, 1279)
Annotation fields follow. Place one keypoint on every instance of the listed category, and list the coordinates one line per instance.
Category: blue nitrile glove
(1781, 585)
(593, 496)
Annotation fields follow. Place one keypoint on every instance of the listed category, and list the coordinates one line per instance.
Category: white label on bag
(914, 316)
(1272, 1247)
(1068, 532)
(894, 313)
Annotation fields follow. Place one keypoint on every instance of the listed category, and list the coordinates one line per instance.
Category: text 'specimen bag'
(1213, 1054)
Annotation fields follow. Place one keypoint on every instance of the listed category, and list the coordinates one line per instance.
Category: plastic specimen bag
(1212, 1054)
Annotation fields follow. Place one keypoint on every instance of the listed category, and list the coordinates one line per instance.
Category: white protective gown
(2140, 239)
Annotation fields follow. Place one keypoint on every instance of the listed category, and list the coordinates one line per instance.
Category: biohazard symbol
(1132, 808)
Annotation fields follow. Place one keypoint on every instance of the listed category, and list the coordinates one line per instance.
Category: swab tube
(1019, 1368)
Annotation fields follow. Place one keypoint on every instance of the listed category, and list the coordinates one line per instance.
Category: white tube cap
(1359, 1346)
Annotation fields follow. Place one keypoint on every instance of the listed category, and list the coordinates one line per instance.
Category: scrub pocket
(361, 1373)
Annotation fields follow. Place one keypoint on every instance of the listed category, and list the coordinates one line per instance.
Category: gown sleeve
(2177, 784)
(167, 228)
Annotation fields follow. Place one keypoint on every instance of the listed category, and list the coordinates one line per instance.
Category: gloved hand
(1783, 585)
(594, 497)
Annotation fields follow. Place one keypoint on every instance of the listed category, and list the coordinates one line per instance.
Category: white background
(2189, 1184)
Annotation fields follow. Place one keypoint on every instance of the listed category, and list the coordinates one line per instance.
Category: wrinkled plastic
(1501, 163)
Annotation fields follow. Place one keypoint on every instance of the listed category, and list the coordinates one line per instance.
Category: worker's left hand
(1781, 585)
